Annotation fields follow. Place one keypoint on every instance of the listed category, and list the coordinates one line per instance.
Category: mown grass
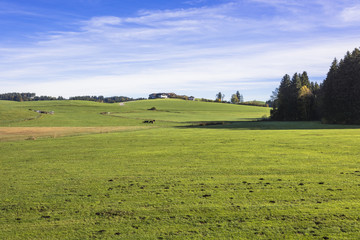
(237, 180)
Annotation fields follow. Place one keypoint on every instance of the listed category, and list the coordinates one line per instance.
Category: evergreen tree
(273, 98)
(219, 97)
(293, 100)
(281, 103)
(305, 80)
(238, 95)
(340, 92)
(327, 92)
(336, 100)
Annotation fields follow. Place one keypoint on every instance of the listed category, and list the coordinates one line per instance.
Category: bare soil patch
(32, 133)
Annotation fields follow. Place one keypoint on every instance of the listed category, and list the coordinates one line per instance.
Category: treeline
(176, 96)
(236, 98)
(255, 103)
(114, 99)
(336, 100)
(341, 91)
(170, 95)
(295, 99)
(20, 97)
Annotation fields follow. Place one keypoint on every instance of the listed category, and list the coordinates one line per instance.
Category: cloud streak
(351, 14)
(195, 51)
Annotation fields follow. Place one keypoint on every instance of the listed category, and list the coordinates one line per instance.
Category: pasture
(180, 178)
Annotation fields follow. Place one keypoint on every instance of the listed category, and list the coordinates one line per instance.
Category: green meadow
(200, 171)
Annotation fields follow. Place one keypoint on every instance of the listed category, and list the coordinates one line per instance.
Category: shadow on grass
(267, 125)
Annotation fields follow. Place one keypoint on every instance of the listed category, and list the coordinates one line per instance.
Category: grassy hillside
(189, 111)
(241, 180)
(87, 114)
(67, 113)
(14, 112)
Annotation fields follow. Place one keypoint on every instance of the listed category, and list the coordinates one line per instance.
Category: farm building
(170, 95)
(158, 95)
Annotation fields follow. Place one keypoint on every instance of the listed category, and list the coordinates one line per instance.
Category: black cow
(149, 121)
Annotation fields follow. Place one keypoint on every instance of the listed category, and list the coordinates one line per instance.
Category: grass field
(180, 178)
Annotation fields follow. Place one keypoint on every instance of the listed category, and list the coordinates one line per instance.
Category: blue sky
(193, 47)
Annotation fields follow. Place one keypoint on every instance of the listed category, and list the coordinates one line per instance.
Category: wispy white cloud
(194, 2)
(315, 13)
(351, 14)
(197, 50)
(12, 9)
(103, 21)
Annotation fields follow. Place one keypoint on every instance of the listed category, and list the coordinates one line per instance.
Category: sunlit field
(200, 171)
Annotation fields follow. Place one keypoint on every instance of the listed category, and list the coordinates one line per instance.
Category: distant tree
(255, 103)
(102, 99)
(237, 98)
(220, 97)
(17, 96)
(238, 95)
(273, 98)
(234, 99)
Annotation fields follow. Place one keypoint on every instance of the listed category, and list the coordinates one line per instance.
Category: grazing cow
(149, 121)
